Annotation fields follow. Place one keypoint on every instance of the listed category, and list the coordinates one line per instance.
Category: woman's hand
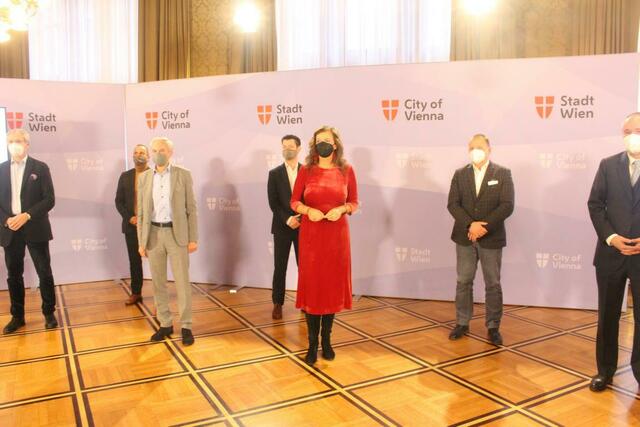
(315, 215)
(335, 213)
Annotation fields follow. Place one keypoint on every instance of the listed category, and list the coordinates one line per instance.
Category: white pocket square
(494, 182)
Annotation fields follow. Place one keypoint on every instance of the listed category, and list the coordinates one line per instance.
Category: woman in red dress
(325, 190)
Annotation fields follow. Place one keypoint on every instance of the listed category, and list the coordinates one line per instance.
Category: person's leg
(42, 262)
(281, 250)
(179, 258)
(327, 326)
(635, 355)
(491, 262)
(466, 265)
(14, 261)
(157, 254)
(611, 287)
(313, 329)
(135, 262)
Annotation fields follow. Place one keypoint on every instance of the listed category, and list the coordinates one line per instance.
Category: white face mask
(16, 150)
(477, 156)
(632, 143)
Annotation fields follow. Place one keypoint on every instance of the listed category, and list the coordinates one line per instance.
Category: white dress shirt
(631, 160)
(161, 196)
(292, 173)
(479, 174)
(17, 173)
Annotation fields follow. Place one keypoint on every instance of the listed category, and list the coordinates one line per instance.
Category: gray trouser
(467, 263)
(162, 244)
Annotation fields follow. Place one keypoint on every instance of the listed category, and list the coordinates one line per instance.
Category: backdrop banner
(405, 129)
(78, 130)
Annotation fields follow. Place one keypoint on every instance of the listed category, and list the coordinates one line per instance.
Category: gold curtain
(164, 40)
(522, 28)
(14, 56)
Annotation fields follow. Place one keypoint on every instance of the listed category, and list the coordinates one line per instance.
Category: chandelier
(15, 15)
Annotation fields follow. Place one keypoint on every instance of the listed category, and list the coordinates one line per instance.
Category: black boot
(313, 329)
(327, 324)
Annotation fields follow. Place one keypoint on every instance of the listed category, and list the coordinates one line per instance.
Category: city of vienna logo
(390, 108)
(402, 159)
(546, 160)
(401, 253)
(264, 114)
(544, 106)
(152, 119)
(15, 120)
(542, 259)
(211, 203)
(76, 244)
(272, 160)
(72, 164)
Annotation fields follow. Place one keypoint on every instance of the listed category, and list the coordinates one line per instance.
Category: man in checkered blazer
(481, 198)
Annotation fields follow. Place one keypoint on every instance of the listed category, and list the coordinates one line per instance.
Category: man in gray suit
(481, 198)
(167, 226)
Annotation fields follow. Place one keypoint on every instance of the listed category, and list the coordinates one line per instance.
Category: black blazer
(612, 207)
(279, 192)
(124, 199)
(37, 198)
(493, 205)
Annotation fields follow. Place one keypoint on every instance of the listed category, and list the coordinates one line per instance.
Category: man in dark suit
(285, 223)
(26, 197)
(614, 207)
(481, 198)
(126, 198)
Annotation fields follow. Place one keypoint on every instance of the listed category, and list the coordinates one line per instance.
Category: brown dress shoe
(133, 299)
(277, 312)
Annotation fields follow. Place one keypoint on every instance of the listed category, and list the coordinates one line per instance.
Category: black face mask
(324, 149)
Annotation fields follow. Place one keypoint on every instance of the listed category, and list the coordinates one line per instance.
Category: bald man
(615, 214)
(481, 198)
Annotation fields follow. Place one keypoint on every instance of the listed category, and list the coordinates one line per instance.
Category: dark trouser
(281, 249)
(14, 260)
(611, 287)
(135, 262)
(466, 265)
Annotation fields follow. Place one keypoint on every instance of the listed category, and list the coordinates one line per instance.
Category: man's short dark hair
(295, 138)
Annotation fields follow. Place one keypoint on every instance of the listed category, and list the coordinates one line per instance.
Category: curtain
(164, 40)
(329, 33)
(522, 28)
(84, 40)
(14, 56)
(256, 52)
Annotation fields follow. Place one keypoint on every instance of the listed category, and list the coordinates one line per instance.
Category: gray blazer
(184, 213)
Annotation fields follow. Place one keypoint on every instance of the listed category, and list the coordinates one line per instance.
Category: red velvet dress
(324, 271)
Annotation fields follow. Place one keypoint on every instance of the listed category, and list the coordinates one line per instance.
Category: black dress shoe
(14, 324)
(187, 337)
(162, 334)
(458, 332)
(599, 383)
(50, 321)
(495, 337)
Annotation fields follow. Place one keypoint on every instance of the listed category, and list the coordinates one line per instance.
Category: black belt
(162, 224)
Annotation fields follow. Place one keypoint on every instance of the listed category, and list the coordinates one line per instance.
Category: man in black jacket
(481, 198)
(285, 223)
(126, 198)
(26, 197)
(614, 207)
